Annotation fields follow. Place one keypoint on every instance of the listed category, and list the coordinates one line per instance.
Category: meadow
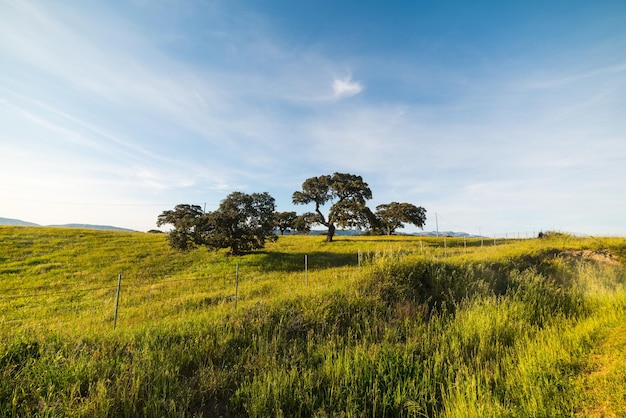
(367, 327)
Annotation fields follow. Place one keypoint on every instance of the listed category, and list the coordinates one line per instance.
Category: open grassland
(375, 326)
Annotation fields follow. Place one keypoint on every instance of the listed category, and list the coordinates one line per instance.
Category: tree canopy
(285, 221)
(242, 223)
(188, 226)
(303, 223)
(394, 215)
(245, 222)
(348, 194)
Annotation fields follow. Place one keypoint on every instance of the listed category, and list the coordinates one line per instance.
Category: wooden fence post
(306, 269)
(236, 284)
(117, 299)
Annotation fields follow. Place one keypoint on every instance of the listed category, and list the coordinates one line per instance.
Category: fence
(108, 303)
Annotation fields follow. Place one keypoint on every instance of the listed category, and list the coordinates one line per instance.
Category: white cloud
(345, 87)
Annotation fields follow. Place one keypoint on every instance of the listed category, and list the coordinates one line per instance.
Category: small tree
(188, 226)
(348, 192)
(394, 215)
(303, 223)
(242, 223)
(285, 221)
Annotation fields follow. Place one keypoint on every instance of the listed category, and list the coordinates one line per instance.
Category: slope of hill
(445, 234)
(394, 327)
(16, 222)
(90, 226)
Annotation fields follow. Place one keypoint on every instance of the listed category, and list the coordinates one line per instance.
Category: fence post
(117, 299)
(359, 257)
(236, 284)
(306, 269)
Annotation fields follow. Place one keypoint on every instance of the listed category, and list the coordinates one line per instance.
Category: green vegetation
(347, 193)
(394, 215)
(517, 329)
(243, 222)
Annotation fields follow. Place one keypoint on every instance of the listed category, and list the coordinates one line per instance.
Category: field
(366, 327)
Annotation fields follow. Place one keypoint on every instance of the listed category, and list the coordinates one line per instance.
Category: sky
(497, 117)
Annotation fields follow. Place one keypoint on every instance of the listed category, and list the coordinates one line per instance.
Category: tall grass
(416, 330)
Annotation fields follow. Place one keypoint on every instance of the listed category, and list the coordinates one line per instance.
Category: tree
(348, 192)
(304, 222)
(242, 223)
(285, 221)
(394, 215)
(187, 222)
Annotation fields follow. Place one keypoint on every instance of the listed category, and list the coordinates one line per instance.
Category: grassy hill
(15, 222)
(375, 326)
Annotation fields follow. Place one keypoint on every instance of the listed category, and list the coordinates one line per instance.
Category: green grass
(523, 328)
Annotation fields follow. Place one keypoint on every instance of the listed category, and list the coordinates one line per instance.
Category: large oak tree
(394, 215)
(242, 223)
(285, 221)
(347, 193)
(188, 224)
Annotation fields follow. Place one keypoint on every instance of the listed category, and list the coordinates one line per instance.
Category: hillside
(18, 222)
(398, 326)
(15, 222)
(91, 226)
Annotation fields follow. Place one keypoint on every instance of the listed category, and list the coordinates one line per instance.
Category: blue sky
(501, 117)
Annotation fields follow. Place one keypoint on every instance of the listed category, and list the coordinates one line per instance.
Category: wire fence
(228, 291)
(430, 245)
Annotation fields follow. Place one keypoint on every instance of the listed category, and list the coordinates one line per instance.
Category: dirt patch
(599, 256)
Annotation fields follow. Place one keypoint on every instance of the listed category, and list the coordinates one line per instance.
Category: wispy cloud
(345, 87)
(551, 81)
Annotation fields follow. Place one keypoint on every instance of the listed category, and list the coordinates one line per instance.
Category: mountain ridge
(16, 222)
(19, 222)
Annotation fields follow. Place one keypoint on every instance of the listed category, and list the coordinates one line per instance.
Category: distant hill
(88, 226)
(16, 222)
(338, 232)
(348, 232)
(445, 234)
(19, 222)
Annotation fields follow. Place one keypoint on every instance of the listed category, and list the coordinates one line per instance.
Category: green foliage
(394, 215)
(188, 226)
(285, 221)
(348, 192)
(416, 330)
(304, 222)
(242, 223)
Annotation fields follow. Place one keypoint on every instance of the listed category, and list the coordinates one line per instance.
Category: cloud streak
(345, 87)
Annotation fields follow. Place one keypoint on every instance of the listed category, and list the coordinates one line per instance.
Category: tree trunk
(331, 233)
